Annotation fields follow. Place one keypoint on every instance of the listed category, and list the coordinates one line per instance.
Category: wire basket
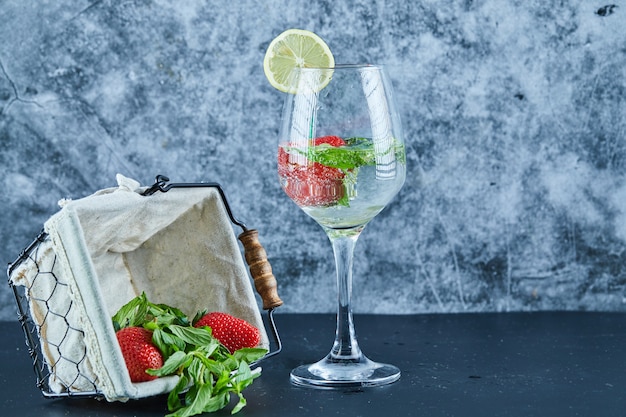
(61, 361)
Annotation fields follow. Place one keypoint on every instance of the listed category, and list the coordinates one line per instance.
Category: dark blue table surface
(500, 364)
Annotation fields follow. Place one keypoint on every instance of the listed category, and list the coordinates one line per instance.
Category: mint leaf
(357, 152)
(197, 400)
(249, 354)
(241, 404)
(342, 157)
(194, 336)
(198, 316)
(243, 377)
(132, 313)
(171, 366)
(173, 399)
(167, 343)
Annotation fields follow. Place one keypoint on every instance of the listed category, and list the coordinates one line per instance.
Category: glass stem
(345, 347)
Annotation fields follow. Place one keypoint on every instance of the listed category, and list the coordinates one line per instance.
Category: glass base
(331, 373)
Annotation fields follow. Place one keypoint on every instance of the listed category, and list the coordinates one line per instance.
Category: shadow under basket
(97, 253)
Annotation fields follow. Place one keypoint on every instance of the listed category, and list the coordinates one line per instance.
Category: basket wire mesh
(35, 339)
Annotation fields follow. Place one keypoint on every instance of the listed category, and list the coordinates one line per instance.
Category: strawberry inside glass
(311, 183)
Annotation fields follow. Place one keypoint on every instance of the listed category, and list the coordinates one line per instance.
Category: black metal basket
(36, 340)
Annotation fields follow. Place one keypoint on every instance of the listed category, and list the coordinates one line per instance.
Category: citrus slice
(295, 48)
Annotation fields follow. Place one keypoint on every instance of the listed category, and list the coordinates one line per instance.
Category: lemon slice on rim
(295, 48)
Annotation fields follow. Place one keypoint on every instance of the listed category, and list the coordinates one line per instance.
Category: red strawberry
(335, 141)
(139, 352)
(232, 332)
(311, 184)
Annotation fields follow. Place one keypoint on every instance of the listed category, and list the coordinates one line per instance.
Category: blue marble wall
(514, 115)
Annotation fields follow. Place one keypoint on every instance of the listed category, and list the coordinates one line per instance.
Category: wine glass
(341, 159)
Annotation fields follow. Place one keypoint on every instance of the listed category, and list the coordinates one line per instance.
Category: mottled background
(513, 111)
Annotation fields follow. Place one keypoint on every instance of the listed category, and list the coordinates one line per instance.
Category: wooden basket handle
(260, 269)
